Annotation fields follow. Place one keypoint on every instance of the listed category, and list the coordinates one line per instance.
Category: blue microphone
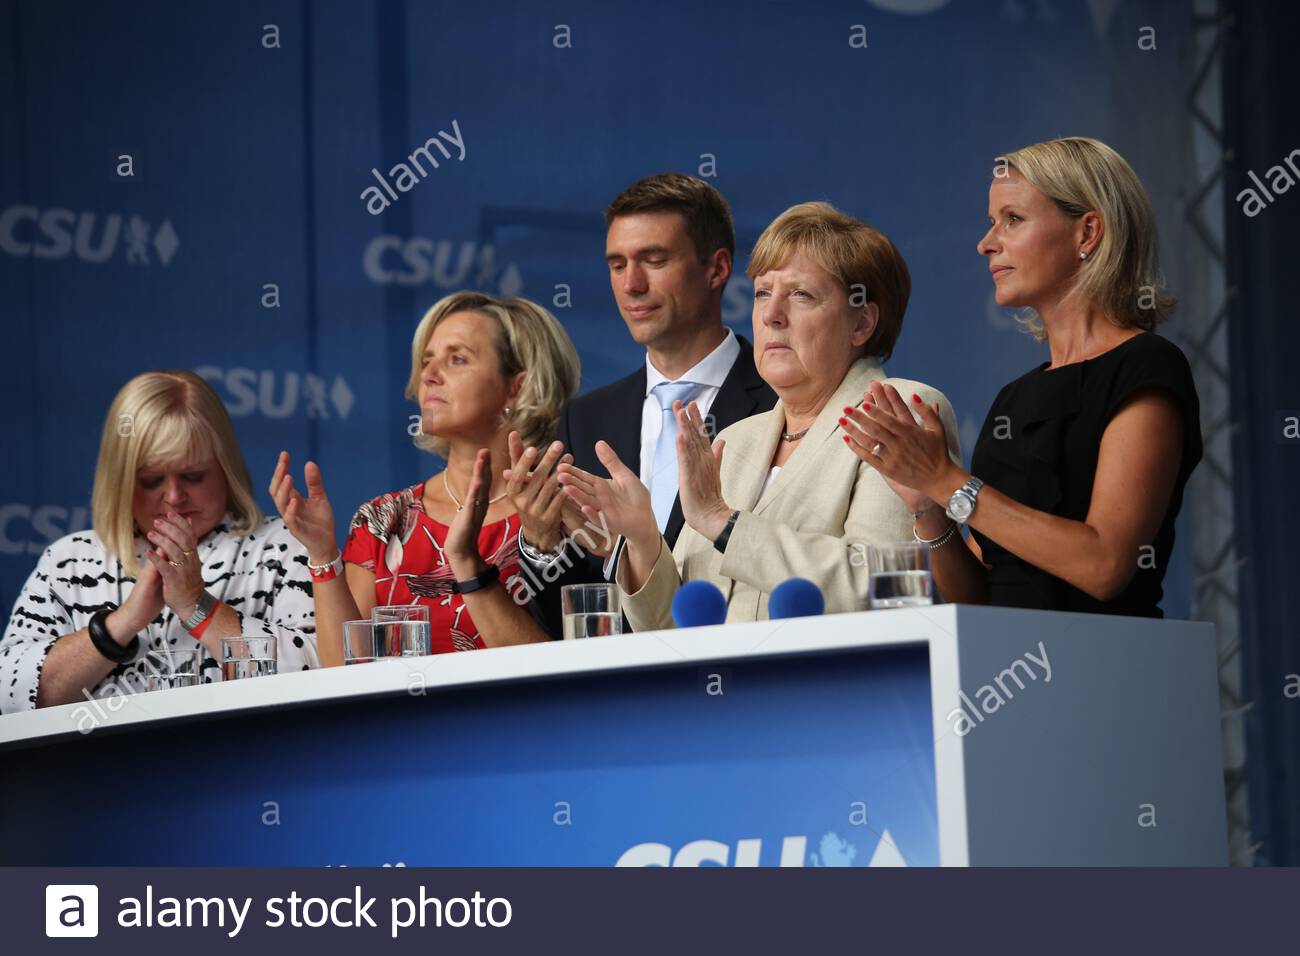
(797, 597)
(699, 604)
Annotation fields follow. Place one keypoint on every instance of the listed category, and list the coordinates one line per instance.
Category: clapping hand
(461, 546)
(144, 603)
(884, 434)
(534, 489)
(699, 473)
(174, 557)
(623, 500)
(310, 519)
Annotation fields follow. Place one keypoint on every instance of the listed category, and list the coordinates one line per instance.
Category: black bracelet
(478, 582)
(720, 542)
(104, 642)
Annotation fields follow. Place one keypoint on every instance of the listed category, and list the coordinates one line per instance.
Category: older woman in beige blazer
(778, 495)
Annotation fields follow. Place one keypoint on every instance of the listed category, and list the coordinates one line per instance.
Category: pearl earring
(1082, 254)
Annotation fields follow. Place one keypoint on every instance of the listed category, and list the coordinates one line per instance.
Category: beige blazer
(815, 521)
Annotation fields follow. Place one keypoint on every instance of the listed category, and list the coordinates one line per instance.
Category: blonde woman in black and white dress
(180, 556)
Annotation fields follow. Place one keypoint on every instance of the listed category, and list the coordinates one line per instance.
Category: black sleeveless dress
(1039, 446)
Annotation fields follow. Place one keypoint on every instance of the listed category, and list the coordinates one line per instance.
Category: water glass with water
(591, 610)
(248, 656)
(401, 630)
(900, 575)
(174, 668)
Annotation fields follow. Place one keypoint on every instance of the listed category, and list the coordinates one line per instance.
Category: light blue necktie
(663, 480)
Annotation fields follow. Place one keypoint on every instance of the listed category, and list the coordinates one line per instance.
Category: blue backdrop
(241, 246)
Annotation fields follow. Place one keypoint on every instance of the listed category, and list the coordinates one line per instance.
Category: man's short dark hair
(707, 215)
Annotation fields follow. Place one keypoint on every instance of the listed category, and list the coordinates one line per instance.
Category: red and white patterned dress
(393, 537)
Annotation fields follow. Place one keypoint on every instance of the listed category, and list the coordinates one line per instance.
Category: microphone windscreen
(797, 597)
(699, 604)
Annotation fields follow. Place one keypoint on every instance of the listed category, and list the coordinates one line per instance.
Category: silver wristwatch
(962, 502)
(539, 559)
(203, 608)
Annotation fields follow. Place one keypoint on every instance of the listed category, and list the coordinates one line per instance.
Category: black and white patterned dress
(261, 576)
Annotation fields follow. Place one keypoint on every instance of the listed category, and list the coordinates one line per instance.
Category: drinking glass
(359, 642)
(247, 656)
(401, 630)
(900, 575)
(174, 668)
(591, 610)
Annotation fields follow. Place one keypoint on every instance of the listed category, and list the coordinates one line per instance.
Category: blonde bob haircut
(1122, 275)
(164, 419)
(862, 258)
(528, 339)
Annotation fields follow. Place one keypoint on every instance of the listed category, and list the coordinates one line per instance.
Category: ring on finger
(875, 450)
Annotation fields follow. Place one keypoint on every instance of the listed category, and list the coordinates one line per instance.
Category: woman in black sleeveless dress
(1078, 474)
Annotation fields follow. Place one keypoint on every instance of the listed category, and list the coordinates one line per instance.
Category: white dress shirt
(710, 372)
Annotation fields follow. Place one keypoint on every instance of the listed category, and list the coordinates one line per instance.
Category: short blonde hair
(861, 257)
(1122, 275)
(164, 418)
(528, 339)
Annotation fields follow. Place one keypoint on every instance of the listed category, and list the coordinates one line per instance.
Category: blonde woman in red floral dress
(490, 376)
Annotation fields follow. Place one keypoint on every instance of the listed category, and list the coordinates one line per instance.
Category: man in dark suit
(669, 245)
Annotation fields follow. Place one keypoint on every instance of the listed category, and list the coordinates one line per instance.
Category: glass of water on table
(900, 575)
(360, 642)
(401, 630)
(175, 668)
(591, 610)
(248, 656)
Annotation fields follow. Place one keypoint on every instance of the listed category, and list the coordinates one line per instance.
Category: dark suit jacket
(613, 413)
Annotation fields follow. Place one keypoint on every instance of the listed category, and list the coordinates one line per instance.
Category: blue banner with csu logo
(826, 760)
(272, 193)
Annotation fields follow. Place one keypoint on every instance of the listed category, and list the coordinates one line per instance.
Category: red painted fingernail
(844, 421)
(848, 410)
(916, 398)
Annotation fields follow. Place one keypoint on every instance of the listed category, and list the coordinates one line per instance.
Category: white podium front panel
(1041, 739)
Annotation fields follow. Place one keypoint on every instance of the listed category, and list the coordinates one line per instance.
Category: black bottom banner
(647, 911)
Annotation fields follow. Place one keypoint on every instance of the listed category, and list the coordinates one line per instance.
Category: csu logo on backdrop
(277, 393)
(397, 260)
(60, 233)
(738, 300)
(28, 529)
(832, 850)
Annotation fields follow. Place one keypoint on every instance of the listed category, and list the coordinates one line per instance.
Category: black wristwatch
(477, 583)
(720, 542)
(103, 640)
